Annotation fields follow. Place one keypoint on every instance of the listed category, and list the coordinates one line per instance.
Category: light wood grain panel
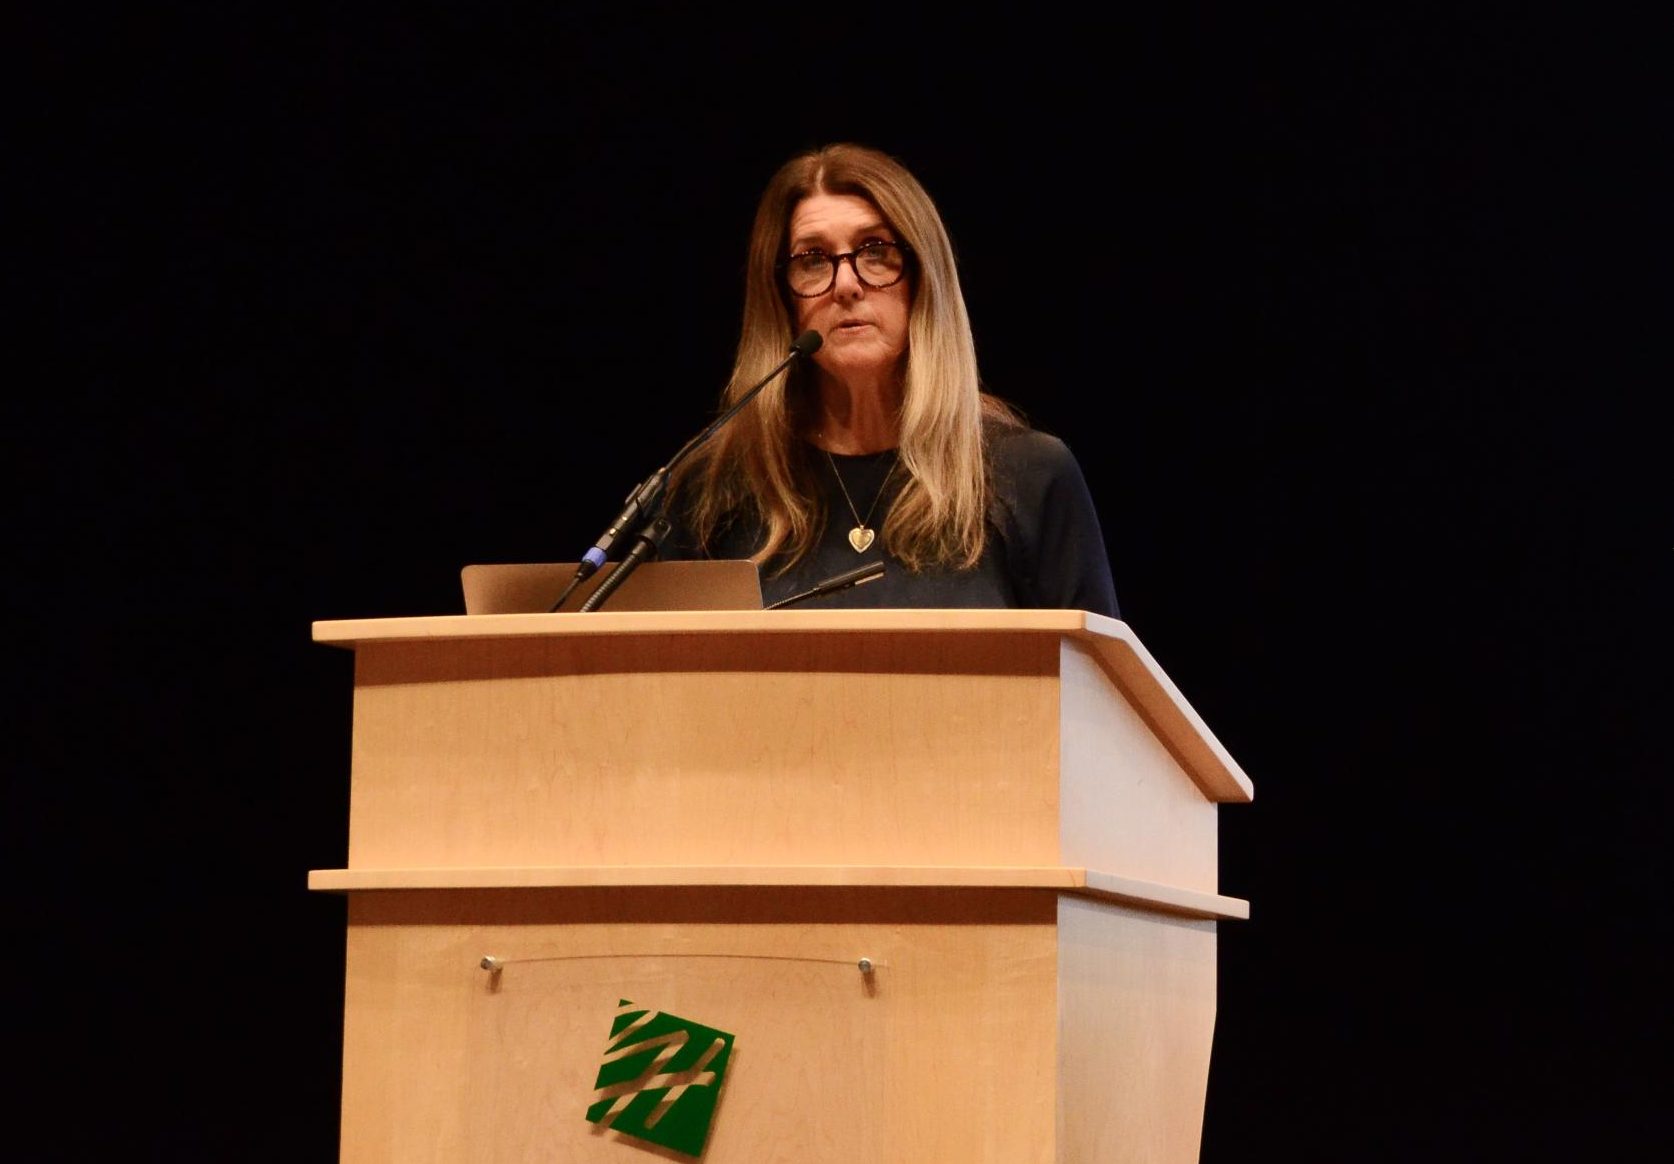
(1126, 805)
(945, 1053)
(804, 749)
(1137, 993)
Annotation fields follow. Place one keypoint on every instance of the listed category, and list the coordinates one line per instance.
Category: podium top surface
(1111, 640)
(351, 632)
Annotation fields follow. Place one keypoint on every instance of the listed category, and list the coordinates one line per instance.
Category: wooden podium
(947, 877)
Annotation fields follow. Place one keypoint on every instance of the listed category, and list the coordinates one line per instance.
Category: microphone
(642, 502)
(646, 544)
(860, 575)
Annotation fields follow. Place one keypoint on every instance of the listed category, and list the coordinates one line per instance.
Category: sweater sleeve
(1055, 547)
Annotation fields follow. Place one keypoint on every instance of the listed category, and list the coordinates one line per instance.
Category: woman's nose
(848, 279)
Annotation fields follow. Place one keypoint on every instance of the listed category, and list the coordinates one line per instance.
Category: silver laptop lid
(532, 587)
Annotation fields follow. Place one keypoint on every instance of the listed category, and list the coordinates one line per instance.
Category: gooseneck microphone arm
(647, 543)
(644, 503)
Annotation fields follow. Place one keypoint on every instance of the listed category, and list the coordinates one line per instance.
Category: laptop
(532, 587)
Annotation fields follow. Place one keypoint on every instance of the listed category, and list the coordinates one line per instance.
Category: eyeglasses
(810, 274)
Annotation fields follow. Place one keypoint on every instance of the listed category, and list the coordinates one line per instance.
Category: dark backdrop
(1356, 323)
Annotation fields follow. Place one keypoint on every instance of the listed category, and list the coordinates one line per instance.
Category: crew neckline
(879, 455)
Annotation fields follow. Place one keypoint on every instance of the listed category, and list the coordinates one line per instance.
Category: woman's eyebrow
(821, 242)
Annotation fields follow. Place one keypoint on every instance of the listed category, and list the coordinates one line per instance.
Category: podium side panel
(1128, 807)
(1137, 1022)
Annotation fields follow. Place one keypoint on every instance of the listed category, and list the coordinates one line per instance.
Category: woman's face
(864, 327)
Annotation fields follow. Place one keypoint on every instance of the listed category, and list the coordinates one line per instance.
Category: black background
(1357, 322)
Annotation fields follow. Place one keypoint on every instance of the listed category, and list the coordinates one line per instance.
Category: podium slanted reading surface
(947, 878)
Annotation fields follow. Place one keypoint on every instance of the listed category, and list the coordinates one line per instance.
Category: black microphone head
(807, 343)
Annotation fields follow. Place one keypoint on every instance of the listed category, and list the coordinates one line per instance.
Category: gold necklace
(860, 537)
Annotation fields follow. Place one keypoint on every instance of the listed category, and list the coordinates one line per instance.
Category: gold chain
(860, 537)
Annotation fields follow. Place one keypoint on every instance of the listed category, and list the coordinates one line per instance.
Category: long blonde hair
(759, 466)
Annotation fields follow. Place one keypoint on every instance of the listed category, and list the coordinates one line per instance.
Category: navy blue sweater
(1045, 547)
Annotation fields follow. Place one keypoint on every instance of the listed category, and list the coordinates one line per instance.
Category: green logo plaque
(659, 1078)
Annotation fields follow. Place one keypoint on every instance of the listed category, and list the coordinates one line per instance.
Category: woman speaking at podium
(882, 446)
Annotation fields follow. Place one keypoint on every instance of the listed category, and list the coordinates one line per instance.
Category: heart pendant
(861, 539)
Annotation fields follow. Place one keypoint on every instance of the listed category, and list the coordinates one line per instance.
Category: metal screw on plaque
(865, 965)
(492, 964)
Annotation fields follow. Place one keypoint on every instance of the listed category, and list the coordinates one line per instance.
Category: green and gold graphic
(659, 1078)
